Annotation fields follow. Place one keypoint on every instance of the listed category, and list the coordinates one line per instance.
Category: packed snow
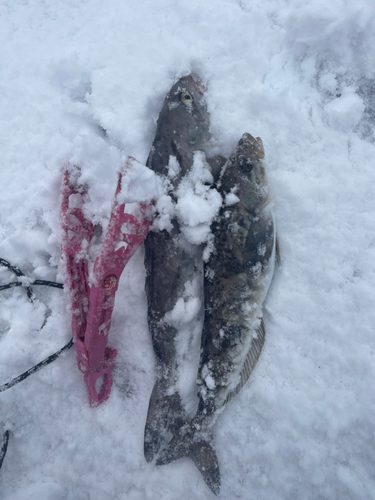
(83, 81)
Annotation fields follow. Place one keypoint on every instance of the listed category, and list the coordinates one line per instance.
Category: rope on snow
(45, 362)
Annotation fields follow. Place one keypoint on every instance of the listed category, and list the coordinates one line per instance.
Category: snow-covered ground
(299, 74)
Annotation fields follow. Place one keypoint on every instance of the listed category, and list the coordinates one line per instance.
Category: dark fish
(171, 261)
(237, 278)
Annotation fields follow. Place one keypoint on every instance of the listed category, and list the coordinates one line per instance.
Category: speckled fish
(171, 262)
(237, 279)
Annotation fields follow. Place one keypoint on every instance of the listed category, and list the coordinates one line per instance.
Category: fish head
(183, 121)
(245, 174)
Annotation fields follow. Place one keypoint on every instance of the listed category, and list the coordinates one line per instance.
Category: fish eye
(186, 98)
(246, 165)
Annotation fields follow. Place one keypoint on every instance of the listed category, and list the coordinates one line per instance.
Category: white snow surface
(83, 81)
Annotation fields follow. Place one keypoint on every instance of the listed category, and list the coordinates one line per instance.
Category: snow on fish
(173, 252)
(237, 278)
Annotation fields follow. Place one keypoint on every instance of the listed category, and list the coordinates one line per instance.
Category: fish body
(172, 263)
(237, 278)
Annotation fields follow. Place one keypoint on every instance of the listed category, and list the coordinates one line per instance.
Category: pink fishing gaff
(92, 306)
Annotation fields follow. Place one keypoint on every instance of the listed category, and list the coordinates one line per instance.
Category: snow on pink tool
(92, 301)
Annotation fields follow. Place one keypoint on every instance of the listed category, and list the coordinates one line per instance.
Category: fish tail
(165, 416)
(201, 449)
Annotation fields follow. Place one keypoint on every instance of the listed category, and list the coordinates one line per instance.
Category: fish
(172, 263)
(237, 279)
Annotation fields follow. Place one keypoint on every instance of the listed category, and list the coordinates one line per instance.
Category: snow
(83, 81)
(231, 199)
(139, 184)
(345, 112)
(197, 202)
(187, 317)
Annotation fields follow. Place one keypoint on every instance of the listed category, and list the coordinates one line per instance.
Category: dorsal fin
(251, 360)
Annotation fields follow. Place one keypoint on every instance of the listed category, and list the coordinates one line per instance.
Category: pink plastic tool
(92, 306)
(77, 233)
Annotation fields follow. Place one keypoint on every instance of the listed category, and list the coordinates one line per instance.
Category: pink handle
(77, 233)
(117, 249)
(90, 378)
(92, 308)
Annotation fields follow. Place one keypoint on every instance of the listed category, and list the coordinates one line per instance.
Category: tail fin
(201, 450)
(165, 416)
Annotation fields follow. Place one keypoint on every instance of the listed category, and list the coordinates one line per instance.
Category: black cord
(36, 368)
(53, 284)
(31, 297)
(19, 273)
(45, 362)
(4, 447)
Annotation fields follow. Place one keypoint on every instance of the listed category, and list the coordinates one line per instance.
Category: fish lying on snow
(172, 262)
(237, 278)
